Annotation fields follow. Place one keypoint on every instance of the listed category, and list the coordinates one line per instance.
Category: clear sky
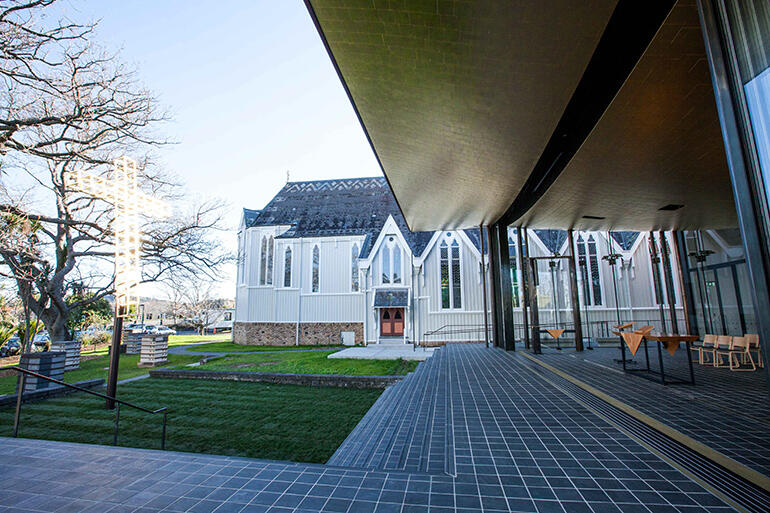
(251, 90)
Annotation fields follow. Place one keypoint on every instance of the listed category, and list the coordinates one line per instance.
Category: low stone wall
(54, 391)
(313, 380)
(284, 333)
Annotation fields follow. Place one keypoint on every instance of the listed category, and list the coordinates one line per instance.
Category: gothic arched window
(263, 261)
(316, 278)
(354, 283)
(287, 267)
(450, 270)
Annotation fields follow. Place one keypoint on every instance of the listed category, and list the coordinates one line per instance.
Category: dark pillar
(533, 311)
(670, 296)
(524, 266)
(654, 261)
(484, 286)
(685, 277)
(573, 290)
(506, 289)
(494, 282)
(112, 376)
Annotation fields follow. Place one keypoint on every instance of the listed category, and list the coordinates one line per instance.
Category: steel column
(573, 289)
(506, 289)
(484, 286)
(685, 282)
(670, 296)
(523, 265)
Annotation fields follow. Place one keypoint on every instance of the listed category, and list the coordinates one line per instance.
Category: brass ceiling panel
(659, 143)
(460, 98)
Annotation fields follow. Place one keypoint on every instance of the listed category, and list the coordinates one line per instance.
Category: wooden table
(667, 340)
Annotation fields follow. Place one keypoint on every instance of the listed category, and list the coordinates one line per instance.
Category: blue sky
(251, 91)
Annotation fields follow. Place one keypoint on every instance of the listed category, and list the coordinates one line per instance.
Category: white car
(165, 330)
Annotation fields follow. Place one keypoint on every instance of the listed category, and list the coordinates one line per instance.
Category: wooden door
(392, 322)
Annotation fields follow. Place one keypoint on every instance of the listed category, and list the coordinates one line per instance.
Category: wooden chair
(737, 354)
(754, 347)
(723, 342)
(709, 343)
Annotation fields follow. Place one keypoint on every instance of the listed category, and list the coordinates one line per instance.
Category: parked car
(12, 347)
(134, 328)
(165, 330)
(43, 336)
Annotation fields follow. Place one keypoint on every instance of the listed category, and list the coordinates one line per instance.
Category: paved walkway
(727, 411)
(185, 350)
(378, 352)
(472, 429)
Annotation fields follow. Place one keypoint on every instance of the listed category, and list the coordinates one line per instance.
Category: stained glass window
(263, 261)
(287, 268)
(241, 259)
(596, 286)
(396, 264)
(270, 249)
(514, 264)
(354, 284)
(456, 276)
(444, 256)
(316, 269)
(386, 265)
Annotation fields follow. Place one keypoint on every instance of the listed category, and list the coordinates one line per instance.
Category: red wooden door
(392, 322)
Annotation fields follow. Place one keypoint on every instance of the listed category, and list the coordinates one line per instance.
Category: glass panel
(287, 268)
(513, 259)
(583, 263)
(263, 261)
(270, 249)
(354, 285)
(386, 265)
(456, 277)
(596, 285)
(398, 314)
(444, 276)
(730, 308)
(316, 269)
(396, 264)
(386, 314)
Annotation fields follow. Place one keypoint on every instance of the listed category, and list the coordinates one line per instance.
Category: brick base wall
(284, 333)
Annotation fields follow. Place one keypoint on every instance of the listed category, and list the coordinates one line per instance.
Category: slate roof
(249, 216)
(325, 208)
(385, 298)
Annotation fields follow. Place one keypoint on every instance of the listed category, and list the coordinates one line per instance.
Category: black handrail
(20, 393)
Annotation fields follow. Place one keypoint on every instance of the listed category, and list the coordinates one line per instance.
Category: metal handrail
(118, 402)
(470, 328)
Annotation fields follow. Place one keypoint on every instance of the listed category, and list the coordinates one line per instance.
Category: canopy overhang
(461, 100)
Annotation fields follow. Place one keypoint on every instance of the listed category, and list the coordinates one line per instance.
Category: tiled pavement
(471, 430)
(727, 411)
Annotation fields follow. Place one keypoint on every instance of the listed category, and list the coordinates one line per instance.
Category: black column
(523, 254)
(688, 297)
(494, 282)
(573, 290)
(506, 289)
(665, 254)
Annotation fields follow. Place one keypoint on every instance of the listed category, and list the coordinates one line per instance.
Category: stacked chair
(737, 353)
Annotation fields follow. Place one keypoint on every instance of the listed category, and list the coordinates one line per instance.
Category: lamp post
(612, 260)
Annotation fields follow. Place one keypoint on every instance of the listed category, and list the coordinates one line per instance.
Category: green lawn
(309, 362)
(177, 340)
(229, 347)
(283, 422)
(97, 368)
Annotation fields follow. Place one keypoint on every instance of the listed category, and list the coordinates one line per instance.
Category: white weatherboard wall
(428, 292)
(334, 302)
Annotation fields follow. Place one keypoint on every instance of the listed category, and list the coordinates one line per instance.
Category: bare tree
(195, 299)
(66, 104)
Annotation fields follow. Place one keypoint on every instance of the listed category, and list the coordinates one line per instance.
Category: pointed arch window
(287, 267)
(514, 269)
(450, 269)
(392, 257)
(316, 270)
(588, 260)
(266, 261)
(241, 259)
(263, 260)
(355, 286)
